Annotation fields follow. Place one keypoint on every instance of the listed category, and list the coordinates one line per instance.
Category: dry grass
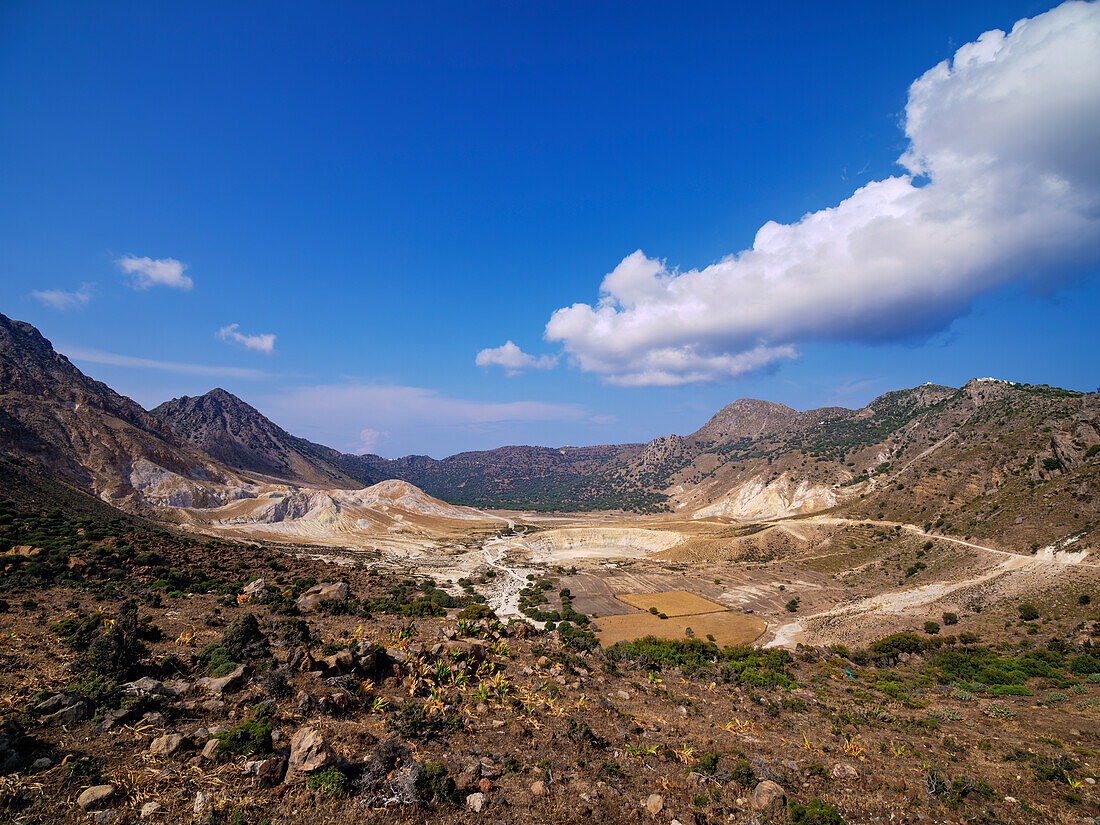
(726, 627)
(672, 603)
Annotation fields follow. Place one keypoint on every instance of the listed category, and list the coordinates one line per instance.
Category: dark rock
(300, 660)
(272, 770)
(63, 708)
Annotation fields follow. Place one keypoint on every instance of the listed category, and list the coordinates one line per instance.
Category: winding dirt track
(899, 601)
(504, 600)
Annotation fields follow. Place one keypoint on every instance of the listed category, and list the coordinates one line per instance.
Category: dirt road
(900, 601)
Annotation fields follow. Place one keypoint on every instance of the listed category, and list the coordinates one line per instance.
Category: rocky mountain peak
(744, 418)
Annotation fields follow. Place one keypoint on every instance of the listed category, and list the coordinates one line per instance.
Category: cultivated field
(674, 603)
(726, 627)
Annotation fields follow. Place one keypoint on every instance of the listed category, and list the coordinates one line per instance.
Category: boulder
(11, 762)
(63, 708)
(476, 801)
(254, 587)
(309, 752)
(166, 745)
(340, 591)
(150, 809)
(13, 745)
(769, 798)
(178, 687)
(342, 662)
(147, 686)
(299, 659)
(114, 718)
(655, 803)
(843, 770)
(95, 797)
(538, 788)
(224, 684)
(272, 770)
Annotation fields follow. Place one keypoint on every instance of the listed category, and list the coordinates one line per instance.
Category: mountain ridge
(923, 454)
(89, 435)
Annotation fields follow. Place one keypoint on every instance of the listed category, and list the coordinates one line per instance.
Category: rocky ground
(149, 675)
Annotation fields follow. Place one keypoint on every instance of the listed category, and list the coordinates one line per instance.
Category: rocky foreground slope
(149, 676)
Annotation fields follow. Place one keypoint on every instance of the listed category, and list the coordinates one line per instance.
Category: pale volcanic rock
(759, 499)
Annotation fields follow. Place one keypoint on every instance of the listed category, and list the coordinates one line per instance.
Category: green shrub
(216, 661)
(433, 784)
(814, 812)
(1010, 690)
(101, 691)
(331, 782)
(895, 644)
(950, 618)
(1029, 612)
(252, 737)
(474, 612)
(742, 773)
(243, 640)
(740, 664)
(116, 653)
(425, 607)
(990, 667)
(78, 632)
(1085, 664)
(708, 763)
(414, 723)
(610, 770)
(931, 628)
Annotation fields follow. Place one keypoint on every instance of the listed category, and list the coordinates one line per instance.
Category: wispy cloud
(62, 300)
(94, 356)
(148, 272)
(513, 360)
(368, 440)
(1002, 184)
(264, 342)
(355, 414)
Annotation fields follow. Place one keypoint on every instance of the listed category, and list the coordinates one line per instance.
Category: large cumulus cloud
(1001, 184)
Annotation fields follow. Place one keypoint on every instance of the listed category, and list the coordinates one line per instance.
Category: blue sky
(390, 189)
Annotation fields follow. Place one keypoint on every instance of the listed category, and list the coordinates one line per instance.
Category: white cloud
(264, 342)
(94, 356)
(62, 300)
(147, 272)
(368, 440)
(513, 360)
(1002, 185)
